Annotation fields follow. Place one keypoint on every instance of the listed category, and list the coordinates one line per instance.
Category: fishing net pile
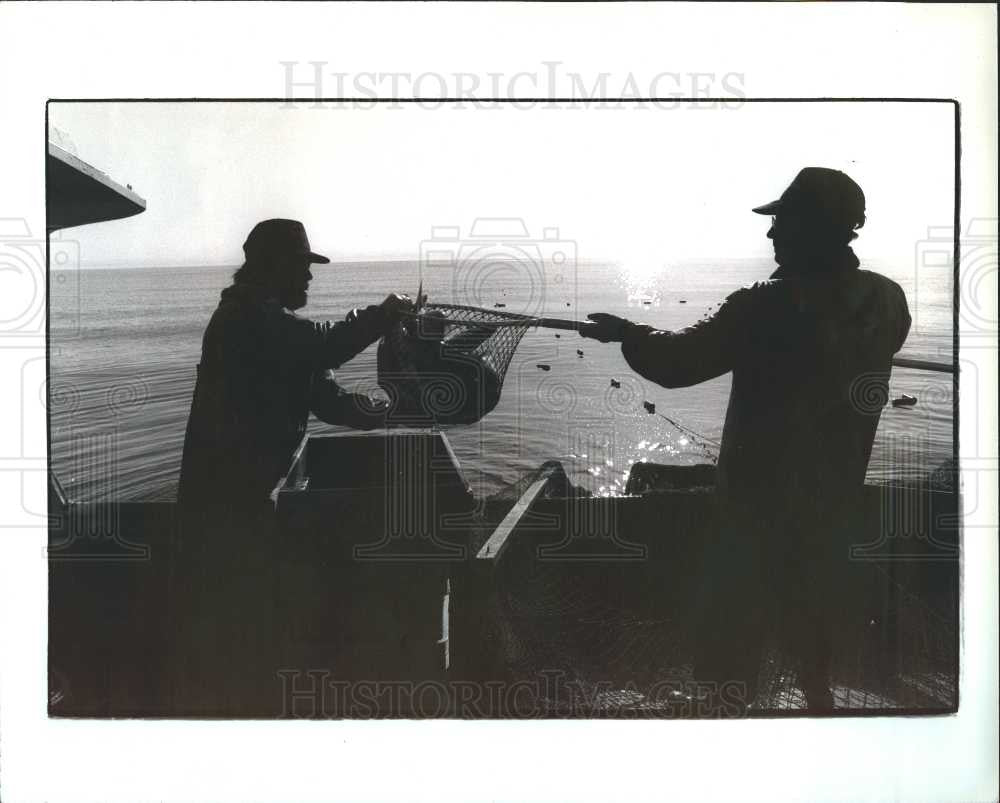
(622, 652)
(600, 637)
(446, 364)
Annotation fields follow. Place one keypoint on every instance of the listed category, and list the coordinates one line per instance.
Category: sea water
(124, 344)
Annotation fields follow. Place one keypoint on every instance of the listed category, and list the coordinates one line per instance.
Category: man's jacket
(263, 369)
(810, 357)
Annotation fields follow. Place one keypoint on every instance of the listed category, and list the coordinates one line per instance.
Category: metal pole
(923, 365)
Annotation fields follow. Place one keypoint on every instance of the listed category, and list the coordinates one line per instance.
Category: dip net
(447, 363)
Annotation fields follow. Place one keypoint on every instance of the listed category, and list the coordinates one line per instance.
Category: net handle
(514, 320)
(898, 362)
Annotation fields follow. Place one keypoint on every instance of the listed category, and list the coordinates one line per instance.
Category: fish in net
(445, 364)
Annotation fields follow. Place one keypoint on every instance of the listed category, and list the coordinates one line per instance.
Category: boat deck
(597, 632)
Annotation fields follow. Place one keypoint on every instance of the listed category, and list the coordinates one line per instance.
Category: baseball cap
(280, 237)
(823, 194)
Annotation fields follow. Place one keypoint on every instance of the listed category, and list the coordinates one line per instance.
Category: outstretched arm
(677, 359)
(330, 345)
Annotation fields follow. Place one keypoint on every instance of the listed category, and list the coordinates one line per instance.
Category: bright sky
(637, 185)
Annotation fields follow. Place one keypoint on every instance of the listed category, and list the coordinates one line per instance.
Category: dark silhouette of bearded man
(796, 442)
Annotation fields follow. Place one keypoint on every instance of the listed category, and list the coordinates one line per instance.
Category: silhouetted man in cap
(263, 370)
(808, 349)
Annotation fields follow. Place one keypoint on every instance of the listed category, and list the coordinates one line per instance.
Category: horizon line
(364, 259)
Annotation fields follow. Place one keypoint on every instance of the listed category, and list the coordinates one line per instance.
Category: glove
(605, 328)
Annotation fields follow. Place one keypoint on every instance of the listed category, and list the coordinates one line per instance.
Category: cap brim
(768, 209)
(318, 259)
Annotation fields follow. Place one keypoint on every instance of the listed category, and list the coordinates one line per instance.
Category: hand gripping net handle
(513, 319)
(462, 315)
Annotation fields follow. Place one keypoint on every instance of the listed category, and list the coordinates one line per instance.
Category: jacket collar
(828, 263)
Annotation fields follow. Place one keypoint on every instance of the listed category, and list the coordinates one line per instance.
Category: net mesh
(448, 362)
(622, 656)
(621, 646)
